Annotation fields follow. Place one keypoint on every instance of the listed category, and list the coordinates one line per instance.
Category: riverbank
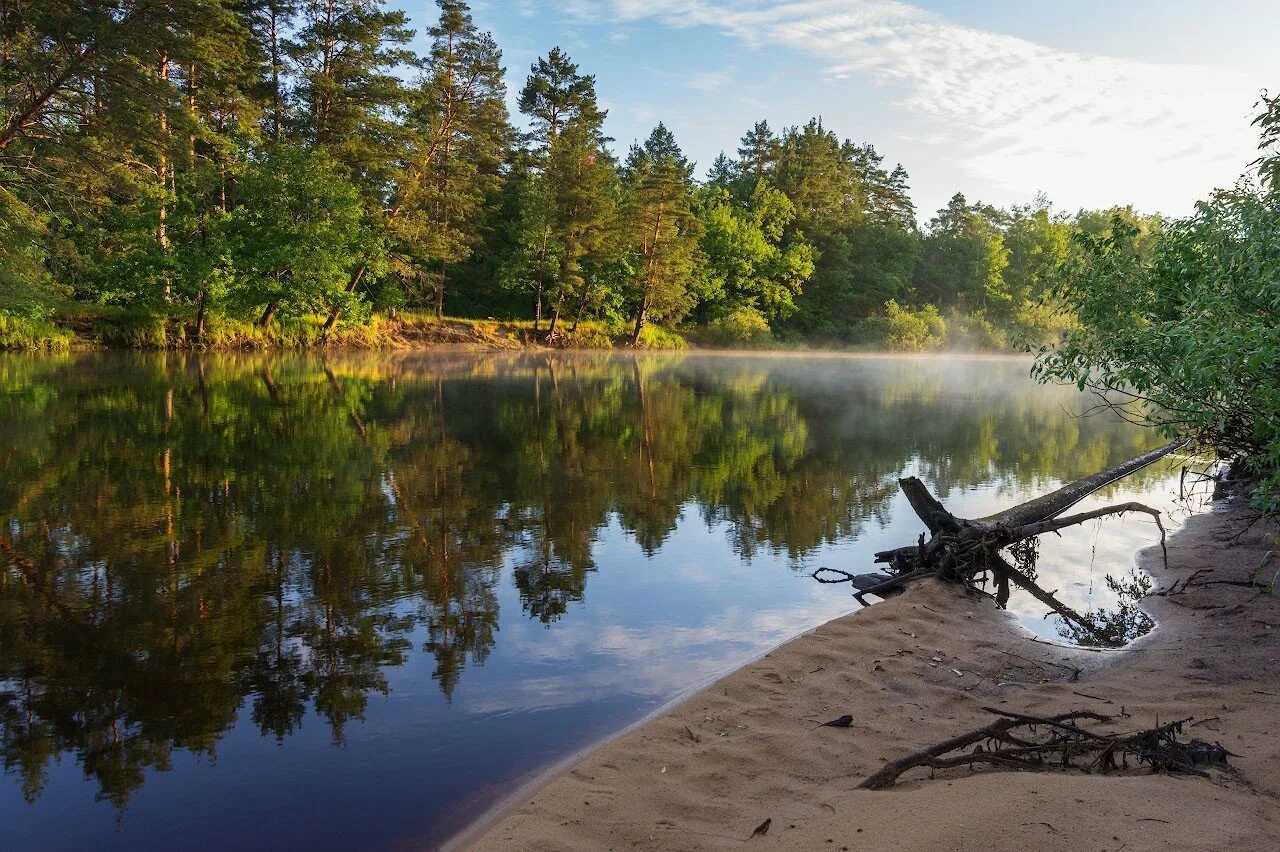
(110, 328)
(916, 670)
(133, 330)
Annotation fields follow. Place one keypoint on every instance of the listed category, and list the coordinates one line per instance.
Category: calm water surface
(296, 601)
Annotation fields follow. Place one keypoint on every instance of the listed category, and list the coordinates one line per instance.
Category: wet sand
(916, 670)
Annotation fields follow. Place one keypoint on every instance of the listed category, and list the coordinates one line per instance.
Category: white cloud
(711, 82)
(1009, 111)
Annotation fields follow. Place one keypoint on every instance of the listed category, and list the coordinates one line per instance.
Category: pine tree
(575, 178)
(723, 172)
(349, 99)
(759, 153)
(556, 94)
(459, 138)
(660, 229)
(269, 21)
(345, 54)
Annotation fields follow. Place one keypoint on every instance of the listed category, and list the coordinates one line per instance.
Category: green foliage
(23, 332)
(1186, 331)
(660, 231)
(26, 290)
(743, 326)
(963, 259)
(750, 264)
(190, 161)
(294, 247)
(905, 329)
(656, 337)
(974, 332)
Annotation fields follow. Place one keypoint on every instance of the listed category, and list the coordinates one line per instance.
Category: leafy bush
(1040, 323)
(743, 326)
(19, 332)
(975, 332)
(1189, 338)
(906, 329)
(132, 328)
(657, 337)
(590, 335)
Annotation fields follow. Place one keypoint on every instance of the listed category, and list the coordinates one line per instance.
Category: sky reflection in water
(294, 600)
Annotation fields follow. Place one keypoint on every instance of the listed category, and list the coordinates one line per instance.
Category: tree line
(189, 169)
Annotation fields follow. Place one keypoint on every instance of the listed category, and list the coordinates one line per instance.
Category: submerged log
(961, 549)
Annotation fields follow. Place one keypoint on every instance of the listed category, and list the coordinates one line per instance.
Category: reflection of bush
(1113, 627)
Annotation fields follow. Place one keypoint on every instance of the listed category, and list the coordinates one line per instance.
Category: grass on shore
(116, 328)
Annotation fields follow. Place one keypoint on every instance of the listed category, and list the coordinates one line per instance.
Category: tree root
(1058, 743)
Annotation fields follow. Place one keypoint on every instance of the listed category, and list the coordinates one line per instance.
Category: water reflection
(196, 543)
(1116, 626)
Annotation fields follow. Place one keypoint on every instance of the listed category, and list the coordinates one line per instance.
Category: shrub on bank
(656, 337)
(902, 328)
(743, 327)
(18, 333)
(974, 332)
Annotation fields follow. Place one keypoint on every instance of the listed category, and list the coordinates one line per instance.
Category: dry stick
(1019, 533)
(932, 756)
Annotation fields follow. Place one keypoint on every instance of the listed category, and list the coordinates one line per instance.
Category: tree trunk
(277, 100)
(440, 291)
(201, 302)
(542, 274)
(537, 306)
(582, 307)
(555, 318)
(635, 334)
(335, 312)
(162, 171)
(267, 314)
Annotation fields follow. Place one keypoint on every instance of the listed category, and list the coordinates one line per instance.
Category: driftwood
(965, 549)
(1041, 743)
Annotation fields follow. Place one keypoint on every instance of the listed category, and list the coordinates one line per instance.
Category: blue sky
(1093, 103)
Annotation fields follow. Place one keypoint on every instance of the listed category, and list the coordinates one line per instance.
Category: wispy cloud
(1010, 111)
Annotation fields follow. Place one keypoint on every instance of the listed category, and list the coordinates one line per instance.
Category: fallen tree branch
(1042, 527)
(1041, 743)
(963, 550)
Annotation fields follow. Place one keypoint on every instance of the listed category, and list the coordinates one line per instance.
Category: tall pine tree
(459, 135)
(570, 200)
(661, 231)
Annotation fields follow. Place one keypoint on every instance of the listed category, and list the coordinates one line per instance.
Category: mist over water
(344, 600)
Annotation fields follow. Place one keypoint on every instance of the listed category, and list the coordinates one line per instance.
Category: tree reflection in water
(188, 536)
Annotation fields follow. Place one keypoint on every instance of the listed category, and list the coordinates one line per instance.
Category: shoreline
(706, 769)
(408, 333)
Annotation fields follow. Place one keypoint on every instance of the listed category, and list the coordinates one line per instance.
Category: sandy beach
(918, 669)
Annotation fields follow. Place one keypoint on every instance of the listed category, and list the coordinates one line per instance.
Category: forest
(289, 172)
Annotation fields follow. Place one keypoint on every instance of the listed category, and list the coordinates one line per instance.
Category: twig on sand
(1046, 743)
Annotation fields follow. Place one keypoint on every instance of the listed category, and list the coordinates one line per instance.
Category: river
(340, 601)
